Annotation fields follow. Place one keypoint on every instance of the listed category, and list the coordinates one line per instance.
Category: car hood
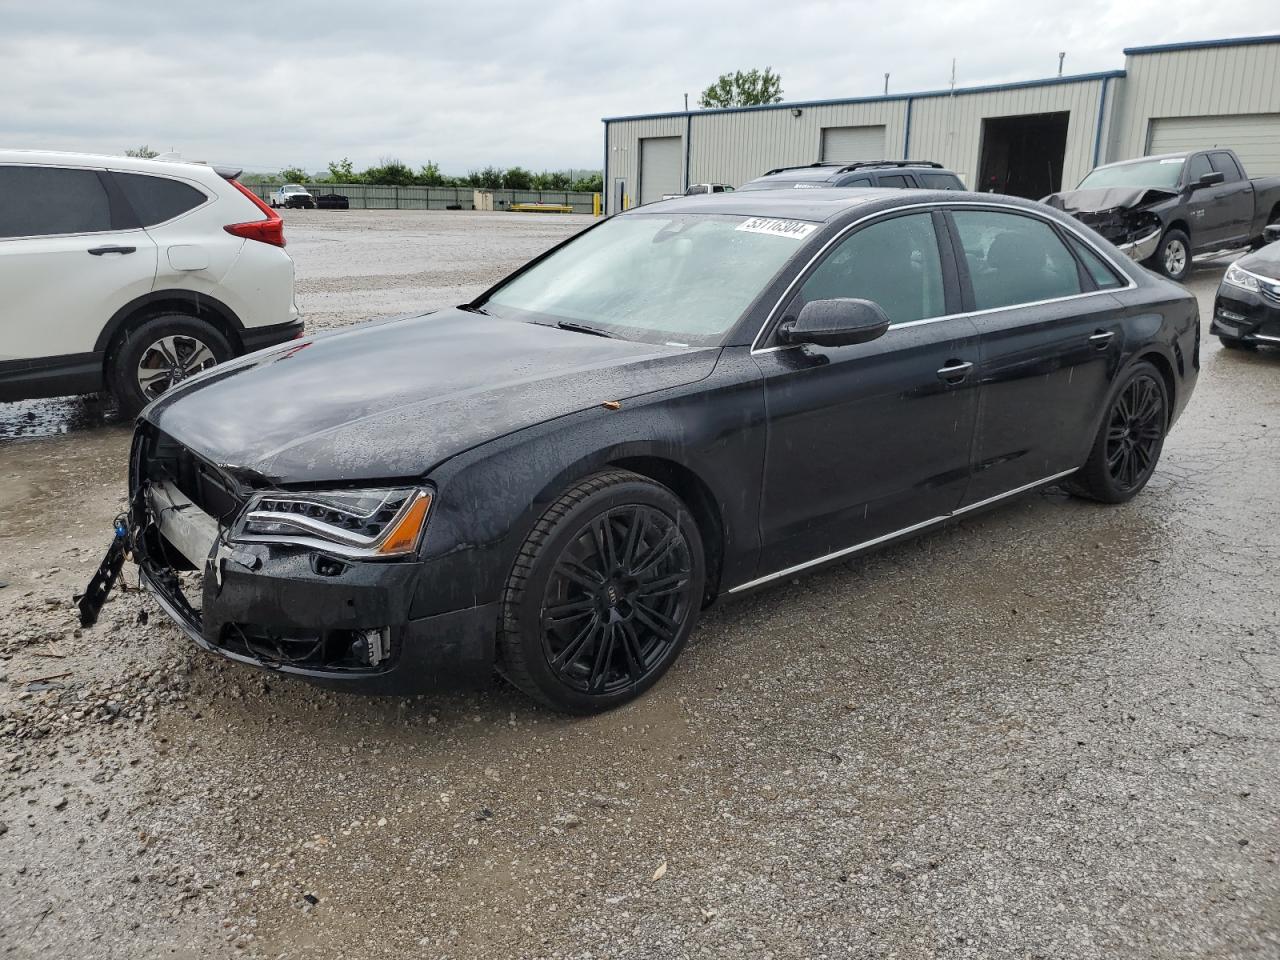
(1264, 262)
(392, 399)
(1107, 198)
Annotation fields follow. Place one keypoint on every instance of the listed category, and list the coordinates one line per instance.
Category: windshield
(1145, 173)
(680, 279)
(293, 188)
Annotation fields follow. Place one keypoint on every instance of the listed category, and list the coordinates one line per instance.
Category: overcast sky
(469, 84)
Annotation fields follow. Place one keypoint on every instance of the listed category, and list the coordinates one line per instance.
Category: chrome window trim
(867, 544)
(773, 316)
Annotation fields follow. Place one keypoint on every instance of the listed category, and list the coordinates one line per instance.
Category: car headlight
(362, 524)
(1241, 278)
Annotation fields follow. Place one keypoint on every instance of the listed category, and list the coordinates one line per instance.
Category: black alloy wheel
(1129, 442)
(603, 595)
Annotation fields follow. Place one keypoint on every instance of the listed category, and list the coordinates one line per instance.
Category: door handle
(99, 251)
(955, 371)
(1102, 339)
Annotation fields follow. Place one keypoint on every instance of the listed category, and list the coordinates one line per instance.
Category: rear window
(157, 199)
(940, 181)
(1102, 274)
(47, 201)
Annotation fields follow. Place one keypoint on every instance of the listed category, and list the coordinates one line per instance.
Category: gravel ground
(1049, 731)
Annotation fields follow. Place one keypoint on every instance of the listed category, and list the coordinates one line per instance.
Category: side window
(894, 262)
(46, 201)
(157, 199)
(1226, 165)
(940, 181)
(1014, 259)
(1103, 275)
(857, 182)
(894, 180)
(1198, 167)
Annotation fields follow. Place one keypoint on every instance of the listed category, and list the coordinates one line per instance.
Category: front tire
(603, 594)
(1130, 439)
(1173, 256)
(160, 353)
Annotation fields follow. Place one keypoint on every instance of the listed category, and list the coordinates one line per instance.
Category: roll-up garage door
(659, 167)
(1255, 137)
(853, 143)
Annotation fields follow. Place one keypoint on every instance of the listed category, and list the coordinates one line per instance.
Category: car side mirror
(835, 323)
(1271, 233)
(1211, 179)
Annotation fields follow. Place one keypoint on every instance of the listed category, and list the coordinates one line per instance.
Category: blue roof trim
(1203, 44)
(892, 98)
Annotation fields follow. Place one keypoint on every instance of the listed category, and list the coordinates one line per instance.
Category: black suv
(904, 174)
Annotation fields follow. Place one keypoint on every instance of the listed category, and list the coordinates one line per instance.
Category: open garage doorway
(1023, 155)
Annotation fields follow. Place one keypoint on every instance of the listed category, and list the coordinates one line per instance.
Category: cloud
(502, 83)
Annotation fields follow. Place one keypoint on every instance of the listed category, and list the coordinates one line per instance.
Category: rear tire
(160, 352)
(1173, 256)
(1129, 440)
(603, 594)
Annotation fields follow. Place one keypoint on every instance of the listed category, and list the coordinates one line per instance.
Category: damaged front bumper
(293, 609)
(1143, 248)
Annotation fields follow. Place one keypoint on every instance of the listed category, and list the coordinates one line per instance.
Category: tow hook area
(372, 646)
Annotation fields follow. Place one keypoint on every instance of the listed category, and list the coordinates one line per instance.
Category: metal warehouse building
(1030, 138)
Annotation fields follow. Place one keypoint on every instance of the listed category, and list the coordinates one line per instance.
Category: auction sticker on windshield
(795, 229)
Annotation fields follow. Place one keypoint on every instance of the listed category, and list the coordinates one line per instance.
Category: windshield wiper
(471, 308)
(583, 328)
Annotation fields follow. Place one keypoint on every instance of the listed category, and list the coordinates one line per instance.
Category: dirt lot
(1050, 731)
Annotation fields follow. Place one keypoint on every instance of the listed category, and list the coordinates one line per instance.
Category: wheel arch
(697, 495)
(1161, 363)
(199, 305)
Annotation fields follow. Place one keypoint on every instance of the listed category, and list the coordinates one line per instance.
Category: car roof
(1155, 156)
(823, 204)
(188, 168)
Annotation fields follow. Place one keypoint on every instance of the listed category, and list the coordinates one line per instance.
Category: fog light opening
(372, 646)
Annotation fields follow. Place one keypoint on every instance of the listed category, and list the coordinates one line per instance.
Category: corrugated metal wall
(1202, 82)
(736, 147)
(949, 129)
(622, 154)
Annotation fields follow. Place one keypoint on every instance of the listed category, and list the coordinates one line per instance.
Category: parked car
(293, 195)
(1246, 311)
(688, 400)
(695, 189)
(130, 275)
(900, 174)
(332, 201)
(1163, 210)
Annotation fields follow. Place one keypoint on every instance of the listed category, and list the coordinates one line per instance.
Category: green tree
(145, 152)
(739, 89)
(294, 175)
(430, 176)
(341, 171)
(589, 184)
(389, 172)
(517, 178)
(552, 180)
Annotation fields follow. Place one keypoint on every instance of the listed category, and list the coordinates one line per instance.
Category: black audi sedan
(1246, 311)
(686, 401)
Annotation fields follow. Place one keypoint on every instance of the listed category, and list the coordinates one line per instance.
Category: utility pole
(953, 76)
(886, 84)
(686, 103)
(1061, 56)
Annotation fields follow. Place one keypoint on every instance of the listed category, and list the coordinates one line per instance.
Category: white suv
(130, 275)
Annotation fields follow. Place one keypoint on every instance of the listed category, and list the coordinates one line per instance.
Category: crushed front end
(1135, 232)
(307, 583)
